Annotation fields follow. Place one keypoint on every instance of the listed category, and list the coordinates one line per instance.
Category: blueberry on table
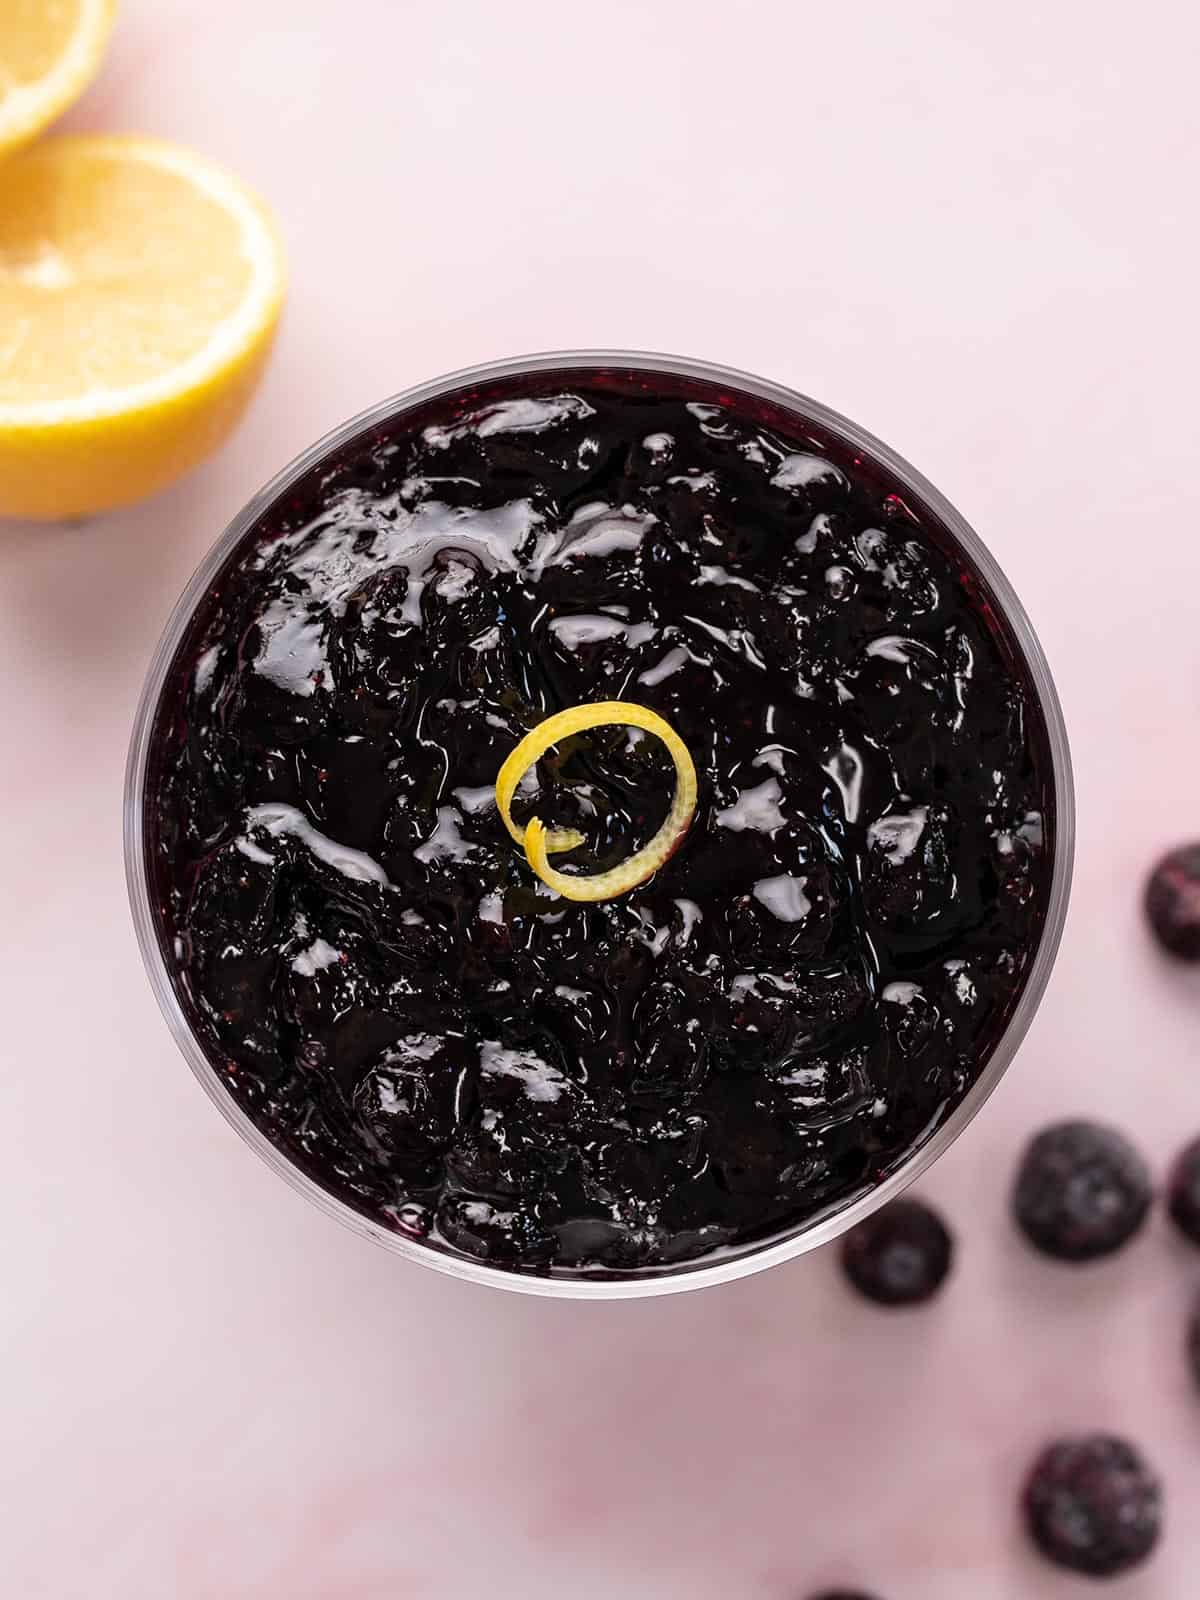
(1193, 1343)
(900, 1256)
(1173, 902)
(1082, 1191)
(1183, 1191)
(1093, 1505)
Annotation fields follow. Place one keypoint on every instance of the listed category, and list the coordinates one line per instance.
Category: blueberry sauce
(761, 1032)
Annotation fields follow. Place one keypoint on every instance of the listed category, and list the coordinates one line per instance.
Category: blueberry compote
(759, 1033)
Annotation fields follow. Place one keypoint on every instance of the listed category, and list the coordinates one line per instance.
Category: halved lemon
(50, 51)
(140, 289)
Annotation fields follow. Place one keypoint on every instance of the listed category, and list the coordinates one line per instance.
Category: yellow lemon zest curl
(540, 842)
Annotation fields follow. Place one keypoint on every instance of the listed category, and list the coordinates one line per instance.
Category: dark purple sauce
(775, 1021)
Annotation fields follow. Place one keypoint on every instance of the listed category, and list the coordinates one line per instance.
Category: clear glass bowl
(735, 1262)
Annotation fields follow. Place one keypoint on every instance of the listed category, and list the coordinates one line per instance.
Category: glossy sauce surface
(768, 1026)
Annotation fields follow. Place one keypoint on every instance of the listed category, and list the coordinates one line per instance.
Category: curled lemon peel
(540, 842)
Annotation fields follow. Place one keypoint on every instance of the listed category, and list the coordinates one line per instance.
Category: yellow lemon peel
(539, 842)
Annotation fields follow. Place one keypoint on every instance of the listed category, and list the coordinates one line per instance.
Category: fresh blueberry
(842, 1594)
(1183, 1191)
(1093, 1505)
(900, 1256)
(1193, 1343)
(1173, 902)
(1082, 1191)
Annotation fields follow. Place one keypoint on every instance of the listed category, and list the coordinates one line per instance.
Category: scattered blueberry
(1173, 902)
(1093, 1505)
(1193, 1343)
(1183, 1191)
(1082, 1191)
(900, 1256)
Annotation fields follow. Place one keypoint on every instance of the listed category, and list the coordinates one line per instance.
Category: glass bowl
(736, 1261)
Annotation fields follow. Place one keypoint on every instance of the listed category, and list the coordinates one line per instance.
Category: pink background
(973, 230)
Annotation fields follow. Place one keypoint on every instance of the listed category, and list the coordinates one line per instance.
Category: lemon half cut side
(50, 50)
(140, 290)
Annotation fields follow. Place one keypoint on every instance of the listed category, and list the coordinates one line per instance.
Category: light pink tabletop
(973, 230)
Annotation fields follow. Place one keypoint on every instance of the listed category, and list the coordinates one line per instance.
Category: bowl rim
(716, 1268)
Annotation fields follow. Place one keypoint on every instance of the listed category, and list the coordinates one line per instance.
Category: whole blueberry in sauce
(765, 1028)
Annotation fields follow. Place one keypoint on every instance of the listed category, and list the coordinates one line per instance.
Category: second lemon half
(140, 288)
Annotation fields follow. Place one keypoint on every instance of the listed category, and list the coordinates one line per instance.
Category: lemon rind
(539, 842)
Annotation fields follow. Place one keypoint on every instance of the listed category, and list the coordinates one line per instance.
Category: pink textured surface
(973, 232)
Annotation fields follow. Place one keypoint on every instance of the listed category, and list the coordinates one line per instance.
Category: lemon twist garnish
(539, 842)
